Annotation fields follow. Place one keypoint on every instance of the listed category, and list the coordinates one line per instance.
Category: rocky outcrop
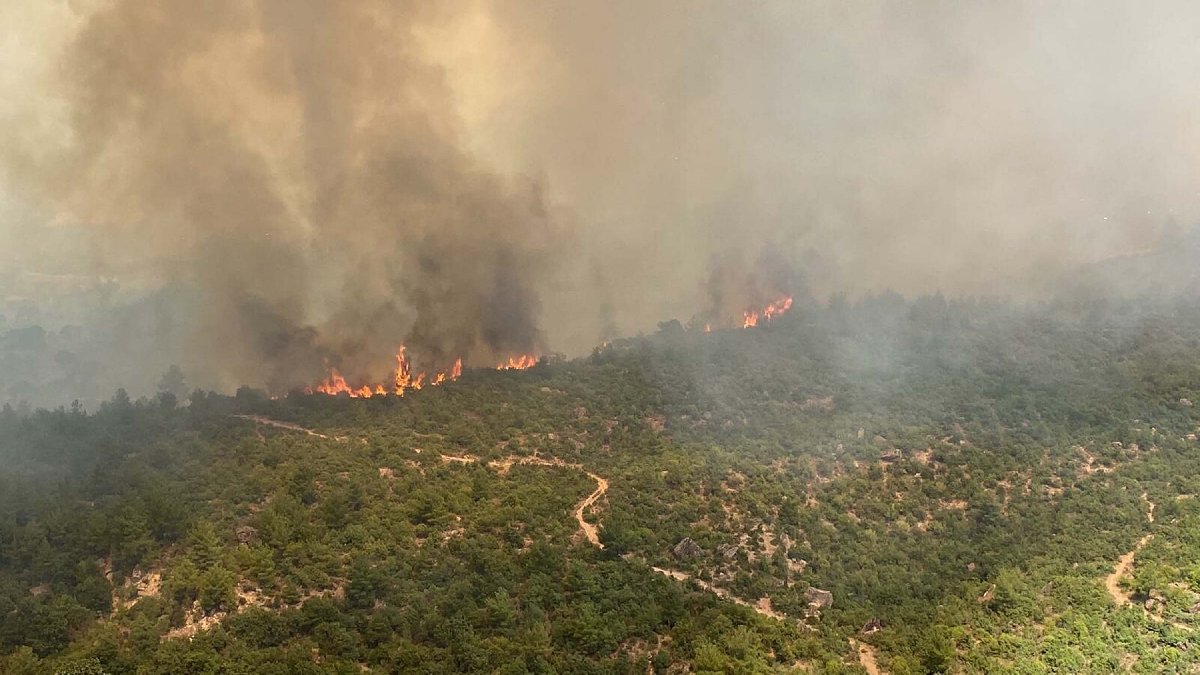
(817, 598)
(727, 551)
(871, 627)
(687, 549)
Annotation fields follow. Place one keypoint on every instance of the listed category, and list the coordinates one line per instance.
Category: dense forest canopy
(916, 486)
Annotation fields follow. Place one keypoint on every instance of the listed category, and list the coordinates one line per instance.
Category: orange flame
(454, 374)
(403, 380)
(336, 384)
(520, 362)
(751, 318)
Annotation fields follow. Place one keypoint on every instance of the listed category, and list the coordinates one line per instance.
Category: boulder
(687, 549)
(818, 598)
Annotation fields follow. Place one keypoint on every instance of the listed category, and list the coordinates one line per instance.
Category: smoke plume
(300, 165)
(297, 184)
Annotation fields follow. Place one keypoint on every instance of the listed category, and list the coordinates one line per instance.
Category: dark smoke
(739, 283)
(260, 189)
(299, 163)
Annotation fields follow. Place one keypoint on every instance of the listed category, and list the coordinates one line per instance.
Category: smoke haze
(258, 189)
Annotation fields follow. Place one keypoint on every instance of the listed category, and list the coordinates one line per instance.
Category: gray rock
(871, 627)
(687, 549)
(818, 598)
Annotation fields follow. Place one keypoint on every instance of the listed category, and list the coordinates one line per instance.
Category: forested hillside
(891, 485)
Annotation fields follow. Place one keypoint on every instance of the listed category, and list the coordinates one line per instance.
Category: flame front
(751, 318)
(336, 384)
(519, 362)
(403, 380)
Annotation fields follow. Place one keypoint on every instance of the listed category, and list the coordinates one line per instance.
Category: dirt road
(866, 657)
(763, 606)
(503, 466)
(281, 425)
(1112, 583)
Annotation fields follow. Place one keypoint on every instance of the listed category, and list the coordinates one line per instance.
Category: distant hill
(907, 486)
(1170, 269)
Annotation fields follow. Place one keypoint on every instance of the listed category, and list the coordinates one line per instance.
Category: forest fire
(520, 362)
(403, 380)
(336, 384)
(751, 318)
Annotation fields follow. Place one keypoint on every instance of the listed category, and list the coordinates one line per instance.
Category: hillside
(896, 486)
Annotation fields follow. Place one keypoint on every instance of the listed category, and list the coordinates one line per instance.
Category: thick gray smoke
(286, 184)
(300, 166)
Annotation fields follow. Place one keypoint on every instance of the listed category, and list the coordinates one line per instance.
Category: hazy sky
(330, 178)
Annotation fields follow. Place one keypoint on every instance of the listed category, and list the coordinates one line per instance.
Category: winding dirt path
(866, 657)
(591, 533)
(503, 466)
(763, 606)
(281, 425)
(1112, 583)
(589, 530)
